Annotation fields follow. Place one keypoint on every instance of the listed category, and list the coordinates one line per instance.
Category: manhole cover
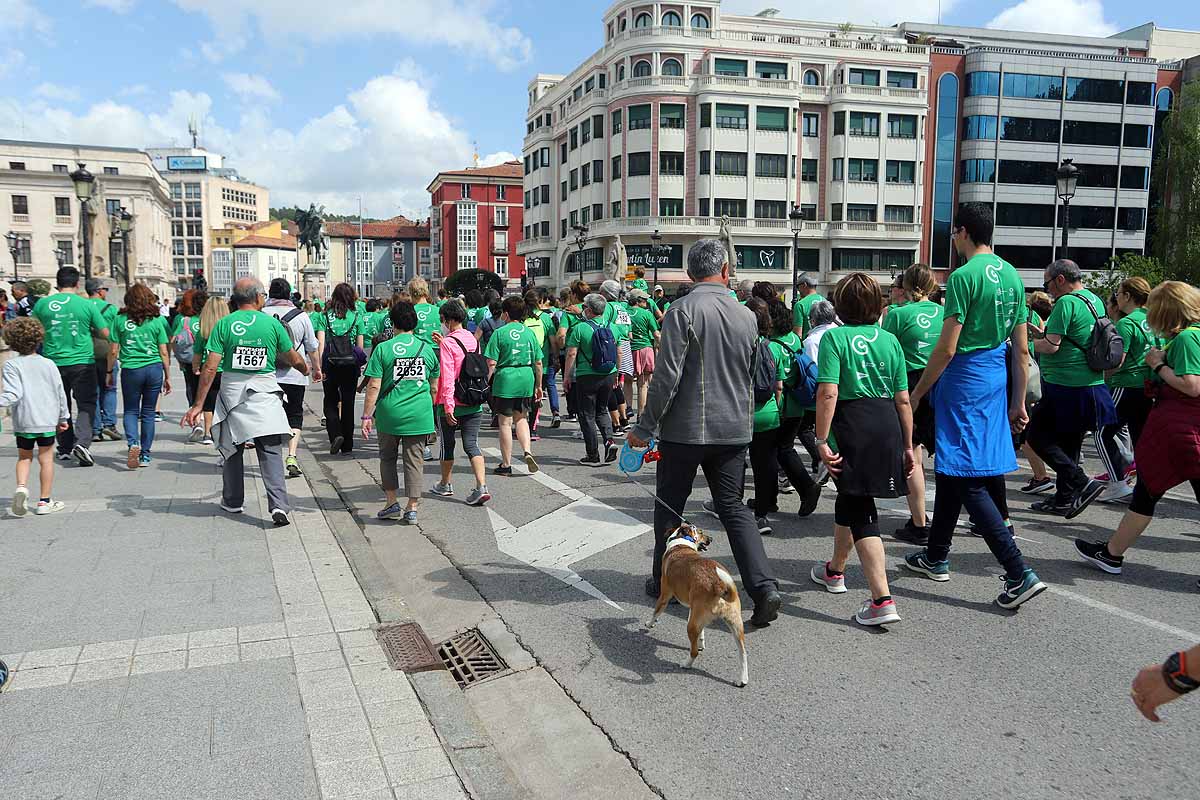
(408, 648)
(470, 658)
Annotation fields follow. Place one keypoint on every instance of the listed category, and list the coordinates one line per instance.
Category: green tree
(1177, 242)
(465, 280)
(1120, 268)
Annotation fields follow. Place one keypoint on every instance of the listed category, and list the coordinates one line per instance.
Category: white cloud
(52, 91)
(118, 6)
(1074, 17)
(10, 60)
(861, 12)
(250, 87)
(463, 24)
(496, 159)
(385, 142)
(21, 14)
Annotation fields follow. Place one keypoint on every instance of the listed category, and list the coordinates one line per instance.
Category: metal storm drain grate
(470, 658)
(408, 648)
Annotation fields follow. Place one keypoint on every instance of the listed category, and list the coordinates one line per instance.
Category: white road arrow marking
(578, 530)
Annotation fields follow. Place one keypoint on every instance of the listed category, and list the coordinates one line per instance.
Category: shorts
(643, 361)
(507, 406)
(293, 404)
(25, 443)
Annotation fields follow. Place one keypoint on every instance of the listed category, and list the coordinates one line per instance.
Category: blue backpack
(604, 348)
(802, 385)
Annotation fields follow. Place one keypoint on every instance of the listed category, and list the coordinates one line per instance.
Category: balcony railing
(710, 225)
(534, 243)
(829, 42)
(854, 90)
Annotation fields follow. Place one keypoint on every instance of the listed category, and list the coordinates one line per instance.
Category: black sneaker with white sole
(83, 455)
(764, 526)
(610, 452)
(590, 461)
(1037, 486)
(1051, 506)
(279, 517)
(1097, 553)
(1084, 498)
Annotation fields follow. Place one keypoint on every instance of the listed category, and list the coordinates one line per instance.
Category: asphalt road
(960, 699)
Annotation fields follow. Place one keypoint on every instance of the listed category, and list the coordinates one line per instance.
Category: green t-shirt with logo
(1138, 338)
(70, 321)
(766, 416)
(800, 311)
(477, 315)
(988, 298)
(580, 336)
(428, 322)
(193, 323)
(1183, 352)
(515, 350)
(1072, 321)
(407, 368)
(372, 323)
(616, 314)
(139, 343)
(640, 283)
(249, 342)
(863, 360)
(917, 326)
(354, 324)
(791, 344)
(643, 328)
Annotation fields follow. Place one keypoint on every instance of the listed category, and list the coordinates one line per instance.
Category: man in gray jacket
(701, 409)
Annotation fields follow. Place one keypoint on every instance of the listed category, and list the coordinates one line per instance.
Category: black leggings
(1143, 502)
(858, 514)
(341, 384)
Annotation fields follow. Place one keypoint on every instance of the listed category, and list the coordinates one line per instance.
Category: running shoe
(232, 509)
(443, 489)
(394, 511)
(1103, 477)
(920, 563)
(1115, 491)
(785, 486)
(133, 456)
(208, 440)
(610, 452)
(44, 508)
(293, 467)
(83, 455)
(503, 470)
(1016, 593)
(144, 461)
(822, 474)
(531, 463)
(556, 422)
(1037, 486)
(428, 454)
(19, 500)
(533, 437)
(280, 517)
(63, 456)
(591, 461)
(335, 445)
(1084, 498)
(834, 584)
(110, 433)
(1097, 553)
(196, 435)
(479, 496)
(809, 501)
(4, 675)
(160, 416)
(764, 527)
(1051, 506)
(872, 614)
(912, 534)
(409, 518)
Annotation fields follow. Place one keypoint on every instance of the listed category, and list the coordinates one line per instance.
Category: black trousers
(79, 382)
(1059, 447)
(191, 382)
(724, 469)
(340, 387)
(591, 402)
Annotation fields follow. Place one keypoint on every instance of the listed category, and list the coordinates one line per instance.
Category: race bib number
(249, 359)
(623, 317)
(408, 369)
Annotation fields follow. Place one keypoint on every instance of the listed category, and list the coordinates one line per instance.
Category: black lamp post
(581, 237)
(796, 219)
(85, 187)
(657, 249)
(125, 225)
(1067, 177)
(14, 243)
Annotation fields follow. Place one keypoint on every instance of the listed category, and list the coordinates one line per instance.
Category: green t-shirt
(791, 344)
(70, 321)
(314, 316)
(643, 329)
(477, 315)
(360, 306)
(800, 311)
(988, 298)
(1183, 352)
(372, 323)
(766, 416)
(249, 342)
(1072, 320)
(354, 324)
(108, 312)
(640, 283)
(1035, 318)
(567, 320)
(917, 326)
(177, 326)
(580, 336)
(549, 330)
(539, 332)
(139, 343)
(407, 368)
(616, 314)
(863, 360)
(1138, 338)
(428, 322)
(515, 350)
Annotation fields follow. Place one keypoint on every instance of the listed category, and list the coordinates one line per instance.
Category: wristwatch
(1175, 673)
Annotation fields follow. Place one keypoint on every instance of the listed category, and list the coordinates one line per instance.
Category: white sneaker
(1116, 490)
(49, 508)
(19, 500)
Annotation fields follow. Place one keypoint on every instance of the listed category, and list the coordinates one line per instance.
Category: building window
(670, 206)
(191, 191)
(574, 138)
(177, 247)
(620, 72)
(1137, 178)
(60, 168)
(901, 80)
(672, 68)
(901, 171)
(20, 204)
(616, 209)
(864, 77)
(705, 158)
(731, 207)
(700, 21)
(585, 131)
(808, 170)
(978, 170)
(838, 166)
(812, 125)
(597, 211)
(873, 260)
(597, 171)
(639, 117)
(812, 77)
(501, 266)
(111, 171)
(1137, 135)
(639, 208)
(616, 168)
(703, 206)
(839, 123)
(770, 70)
(1139, 93)
(1032, 87)
(769, 118)
(902, 126)
(574, 179)
(177, 228)
(546, 193)
(769, 165)
(898, 214)
(16, 165)
(1131, 219)
(616, 128)
(501, 217)
(943, 169)
(860, 212)
(176, 191)
(730, 163)
(808, 211)
(670, 162)
(983, 84)
(500, 189)
(562, 153)
(731, 116)
(585, 175)
(979, 127)
(1095, 90)
(862, 169)
(643, 20)
(639, 164)
(671, 116)
(25, 249)
(770, 209)
(641, 69)
(863, 123)
(598, 126)
(1034, 129)
(195, 247)
(62, 207)
(465, 191)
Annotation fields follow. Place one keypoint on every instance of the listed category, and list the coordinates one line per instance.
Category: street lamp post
(581, 237)
(1067, 177)
(85, 187)
(656, 251)
(14, 243)
(796, 219)
(125, 224)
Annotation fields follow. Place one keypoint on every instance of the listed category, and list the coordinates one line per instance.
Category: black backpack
(764, 372)
(339, 349)
(1105, 349)
(471, 386)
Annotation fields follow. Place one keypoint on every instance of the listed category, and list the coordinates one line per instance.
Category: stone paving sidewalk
(164, 649)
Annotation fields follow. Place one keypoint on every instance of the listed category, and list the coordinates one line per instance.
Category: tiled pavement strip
(173, 651)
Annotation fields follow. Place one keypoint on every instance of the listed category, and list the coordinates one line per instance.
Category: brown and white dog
(704, 587)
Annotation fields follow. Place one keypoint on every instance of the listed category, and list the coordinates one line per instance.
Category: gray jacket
(702, 390)
(248, 406)
(34, 390)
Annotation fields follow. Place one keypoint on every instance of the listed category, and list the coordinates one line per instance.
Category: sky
(326, 102)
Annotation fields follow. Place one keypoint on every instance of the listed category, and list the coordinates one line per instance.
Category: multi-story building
(263, 250)
(205, 194)
(39, 205)
(477, 216)
(377, 258)
(689, 120)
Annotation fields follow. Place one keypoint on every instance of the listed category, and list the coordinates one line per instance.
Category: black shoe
(1097, 553)
(590, 461)
(652, 588)
(335, 445)
(1084, 498)
(280, 518)
(764, 527)
(912, 534)
(1037, 486)
(83, 455)
(766, 609)
(785, 486)
(1051, 506)
(502, 470)
(808, 502)
(610, 453)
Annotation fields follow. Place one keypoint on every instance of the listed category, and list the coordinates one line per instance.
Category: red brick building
(475, 220)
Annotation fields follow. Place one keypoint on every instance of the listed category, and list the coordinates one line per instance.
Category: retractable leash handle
(632, 459)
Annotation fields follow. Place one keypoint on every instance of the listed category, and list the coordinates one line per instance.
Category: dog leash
(627, 465)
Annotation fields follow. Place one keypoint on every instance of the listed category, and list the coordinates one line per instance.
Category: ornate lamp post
(125, 225)
(796, 219)
(14, 242)
(85, 188)
(657, 248)
(1067, 177)
(581, 237)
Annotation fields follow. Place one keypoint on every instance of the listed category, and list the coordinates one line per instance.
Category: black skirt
(922, 415)
(871, 444)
